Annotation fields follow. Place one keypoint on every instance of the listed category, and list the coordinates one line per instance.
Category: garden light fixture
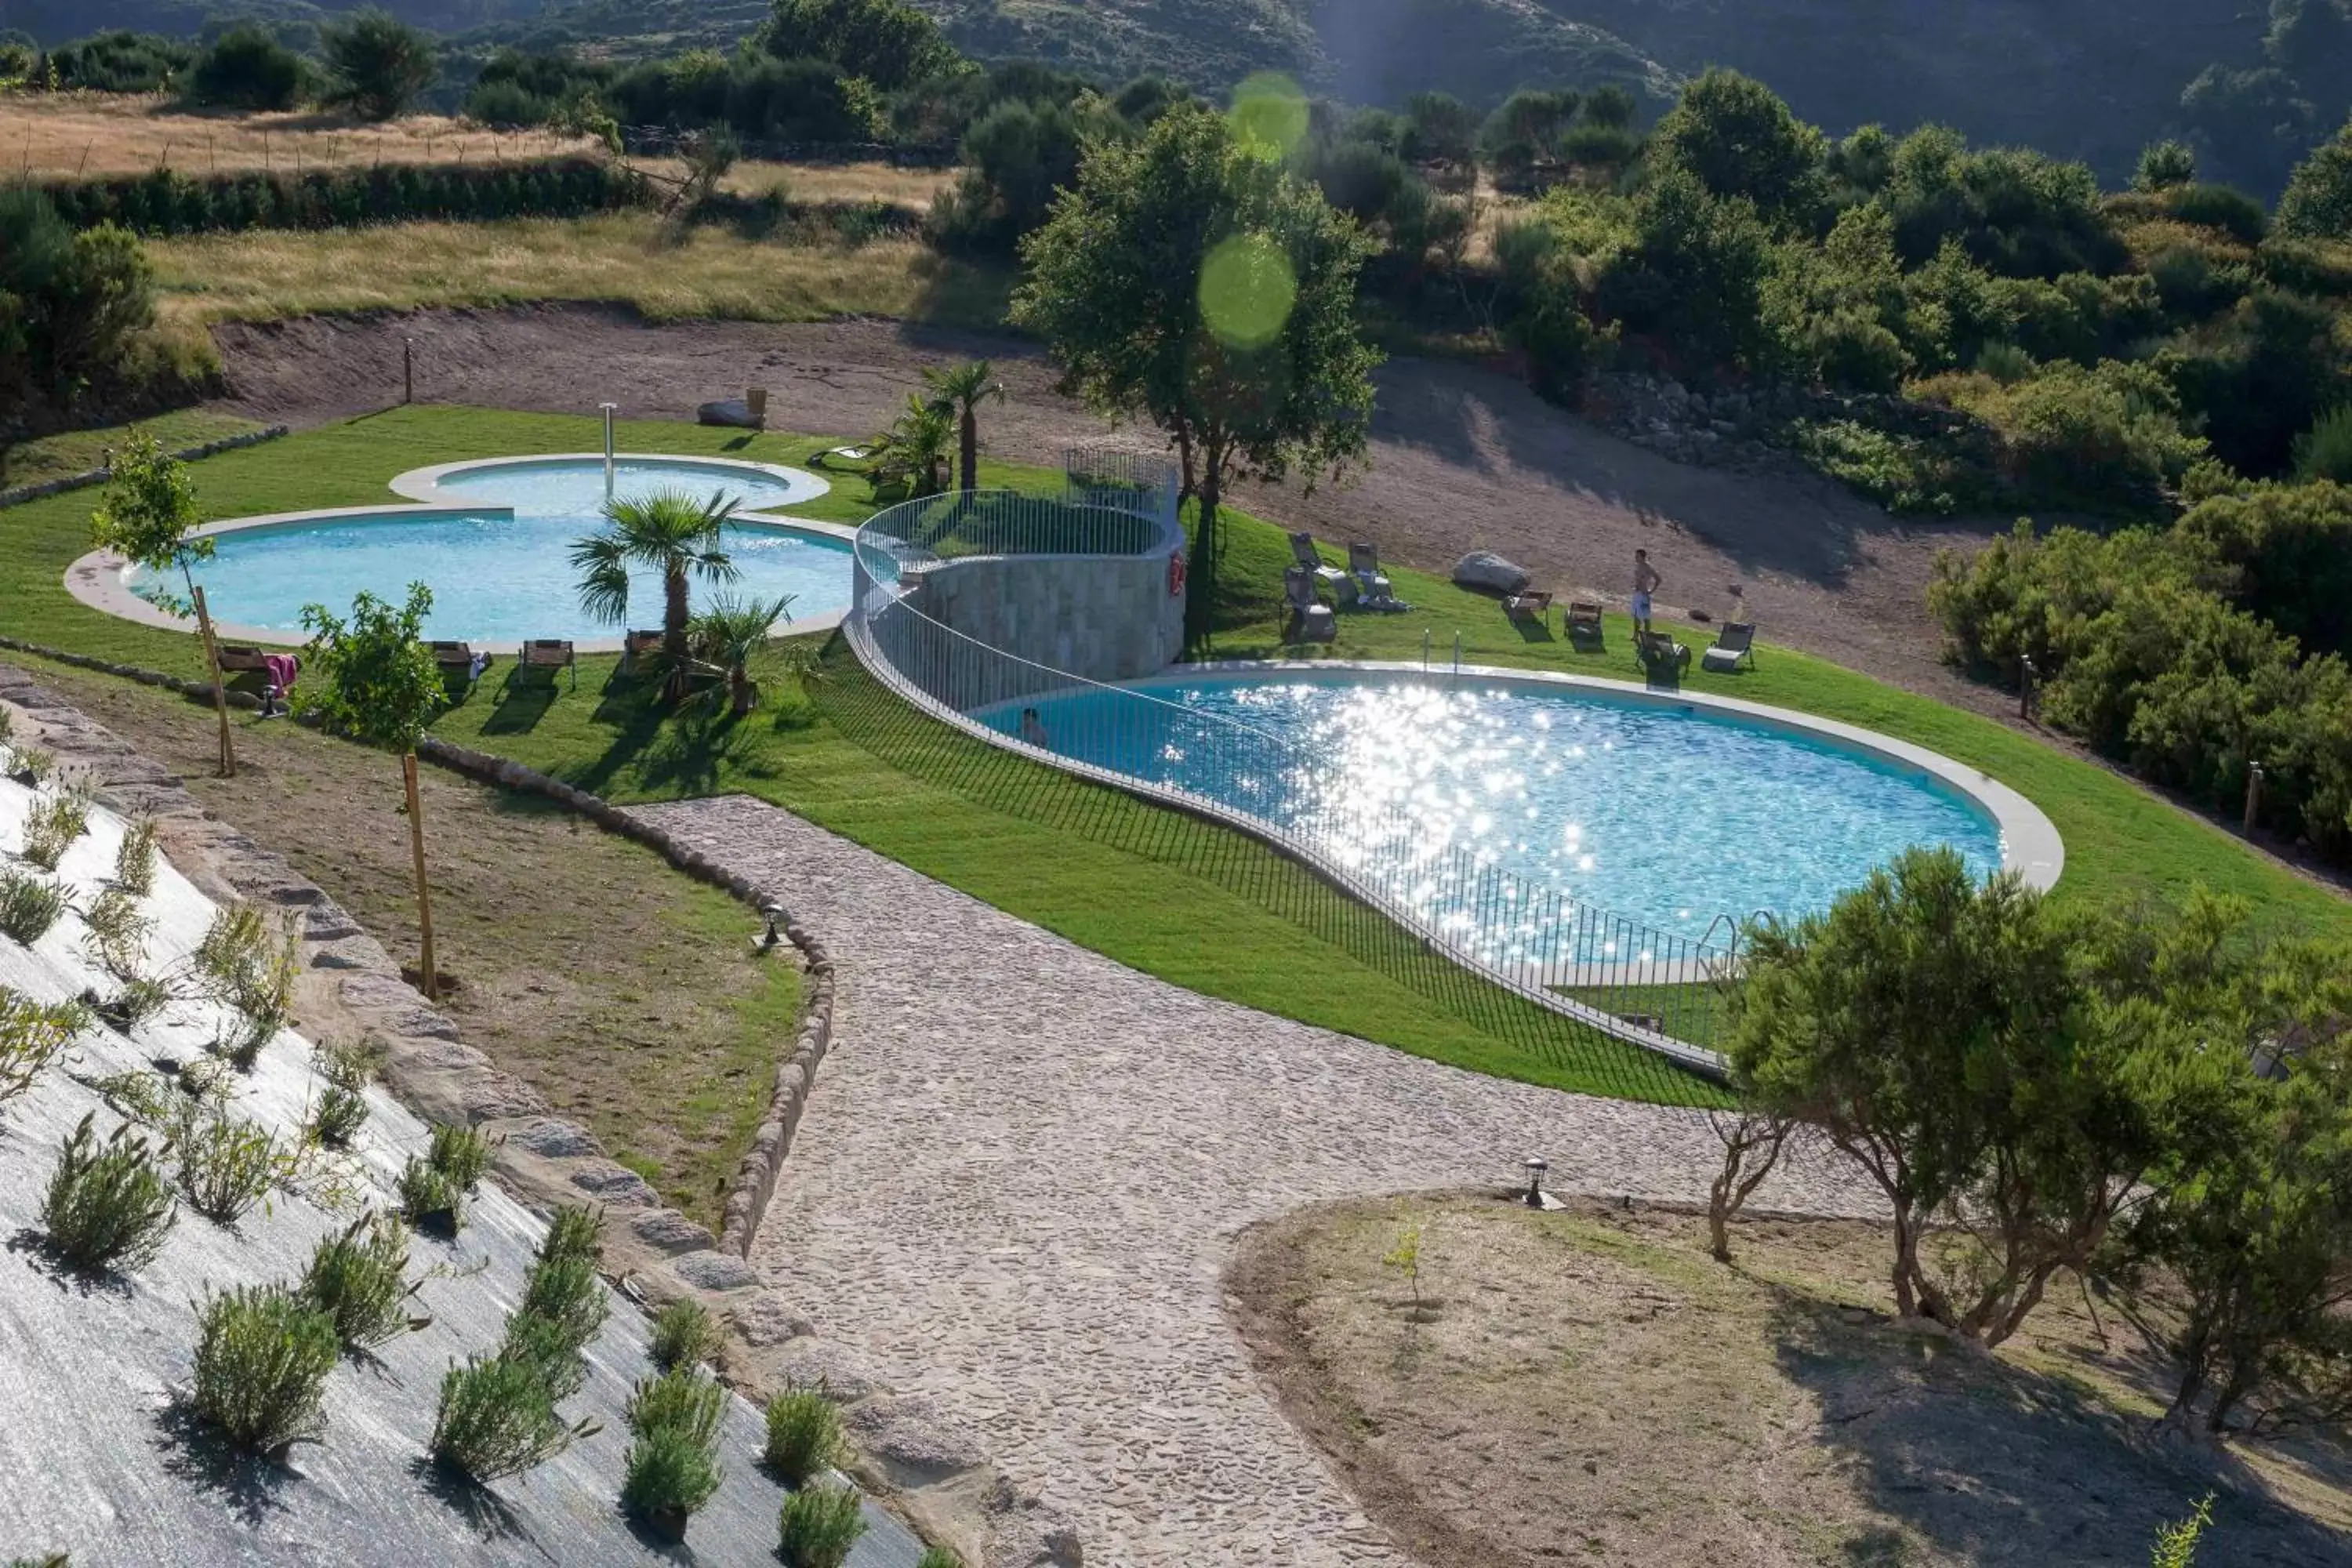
(1536, 1167)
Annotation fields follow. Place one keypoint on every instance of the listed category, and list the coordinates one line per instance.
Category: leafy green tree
(1693, 276)
(1611, 107)
(149, 512)
(2318, 200)
(1018, 156)
(887, 42)
(1737, 138)
(2163, 165)
(1525, 130)
(1189, 281)
(70, 303)
(959, 392)
(730, 633)
(380, 65)
(2324, 451)
(670, 534)
(374, 678)
(2290, 550)
(1441, 128)
(245, 67)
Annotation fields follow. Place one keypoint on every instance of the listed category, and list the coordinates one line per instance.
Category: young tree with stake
(147, 518)
(377, 682)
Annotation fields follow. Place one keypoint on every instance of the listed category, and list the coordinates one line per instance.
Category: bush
(357, 1278)
(430, 1200)
(381, 64)
(505, 105)
(566, 1293)
(497, 1418)
(262, 1360)
(938, 1557)
(246, 69)
(246, 966)
(2232, 212)
(673, 1465)
(121, 61)
(460, 1153)
(106, 1206)
(133, 1003)
(2324, 451)
(225, 1164)
(165, 202)
(78, 301)
(803, 1434)
(684, 1336)
(1905, 474)
(51, 825)
(2103, 439)
(549, 1349)
(33, 1036)
(28, 907)
(820, 1525)
(575, 1233)
(115, 933)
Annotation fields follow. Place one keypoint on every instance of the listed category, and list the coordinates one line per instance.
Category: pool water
(1666, 815)
(499, 578)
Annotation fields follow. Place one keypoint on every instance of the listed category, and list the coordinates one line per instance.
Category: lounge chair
(247, 668)
(1303, 551)
(1311, 619)
(459, 662)
(1364, 567)
(1734, 647)
(1662, 658)
(1584, 623)
(550, 654)
(1529, 602)
(636, 646)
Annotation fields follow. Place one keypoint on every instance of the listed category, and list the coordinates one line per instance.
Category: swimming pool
(494, 545)
(1669, 814)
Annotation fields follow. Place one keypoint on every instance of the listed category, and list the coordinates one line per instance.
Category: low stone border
(89, 476)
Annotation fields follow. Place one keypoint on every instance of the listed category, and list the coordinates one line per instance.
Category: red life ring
(1176, 577)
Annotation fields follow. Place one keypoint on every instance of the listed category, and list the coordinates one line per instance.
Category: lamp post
(1536, 1167)
(775, 913)
(610, 409)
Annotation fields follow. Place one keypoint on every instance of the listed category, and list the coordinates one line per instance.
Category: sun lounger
(1662, 656)
(1311, 619)
(458, 659)
(1364, 566)
(550, 654)
(1529, 602)
(1734, 647)
(1303, 551)
(258, 673)
(1584, 627)
(636, 646)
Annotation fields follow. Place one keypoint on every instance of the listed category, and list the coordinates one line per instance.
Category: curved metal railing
(1650, 988)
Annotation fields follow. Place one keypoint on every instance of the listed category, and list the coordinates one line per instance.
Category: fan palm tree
(729, 632)
(668, 532)
(913, 453)
(958, 394)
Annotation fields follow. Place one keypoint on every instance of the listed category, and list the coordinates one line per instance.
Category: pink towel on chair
(282, 667)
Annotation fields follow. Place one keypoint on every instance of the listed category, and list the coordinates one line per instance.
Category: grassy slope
(1143, 912)
(77, 451)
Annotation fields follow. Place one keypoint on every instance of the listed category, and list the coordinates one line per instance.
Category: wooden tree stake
(220, 692)
(416, 852)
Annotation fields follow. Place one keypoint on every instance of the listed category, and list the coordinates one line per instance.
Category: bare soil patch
(1463, 457)
(1588, 1385)
(628, 996)
(93, 135)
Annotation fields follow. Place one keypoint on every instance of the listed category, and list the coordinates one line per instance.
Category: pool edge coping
(2031, 844)
(425, 484)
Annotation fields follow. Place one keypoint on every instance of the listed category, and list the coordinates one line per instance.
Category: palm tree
(914, 451)
(668, 532)
(729, 632)
(959, 392)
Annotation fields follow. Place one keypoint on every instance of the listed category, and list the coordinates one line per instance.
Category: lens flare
(1246, 290)
(1269, 115)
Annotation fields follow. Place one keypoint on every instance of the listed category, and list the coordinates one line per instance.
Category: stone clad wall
(1106, 619)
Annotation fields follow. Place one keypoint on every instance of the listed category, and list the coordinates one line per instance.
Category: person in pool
(1033, 730)
(1646, 582)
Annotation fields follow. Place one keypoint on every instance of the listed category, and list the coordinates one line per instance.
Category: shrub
(353, 1064)
(51, 825)
(803, 1434)
(673, 1465)
(938, 1557)
(115, 933)
(2324, 451)
(575, 1233)
(566, 1293)
(684, 1336)
(820, 1525)
(497, 1418)
(381, 64)
(226, 1164)
(337, 1118)
(548, 1348)
(357, 1279)
(459, 1153)
(106, 1206)
(28, 907)
(31, 765)
(136, 1001)
(246, 69)
(33, 1036)
(250, 968)
(669, 1473)
(262, 1360)
(430, 1200)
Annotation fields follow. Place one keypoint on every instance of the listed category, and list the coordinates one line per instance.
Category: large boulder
(1484, 569)
(730, 411)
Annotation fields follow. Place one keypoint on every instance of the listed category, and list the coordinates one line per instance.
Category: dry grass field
(824, 183)
(71, 135)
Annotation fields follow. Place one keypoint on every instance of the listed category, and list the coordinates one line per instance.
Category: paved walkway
(1024, 1166)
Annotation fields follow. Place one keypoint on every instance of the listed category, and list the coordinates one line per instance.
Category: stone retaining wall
(89, 476)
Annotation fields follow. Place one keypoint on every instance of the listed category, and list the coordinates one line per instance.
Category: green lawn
(1198, 909)
(47, 458)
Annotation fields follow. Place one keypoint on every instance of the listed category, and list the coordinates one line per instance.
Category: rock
(716, 1271)
(555, 1140)
(827, 1366)
(670, 1231)
(618, 1186)
(912, 1440)
(730, 411)
(1484, 569)
(1035, 1537)
(770, 1321)
(394, 1005)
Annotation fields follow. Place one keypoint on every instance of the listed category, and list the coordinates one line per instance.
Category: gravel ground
(1025, 1168)
(1463, 457)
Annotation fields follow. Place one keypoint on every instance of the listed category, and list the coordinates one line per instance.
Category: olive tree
(1190, 281)
(375, 681)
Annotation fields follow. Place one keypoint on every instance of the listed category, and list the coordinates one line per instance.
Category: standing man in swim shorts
(1646, 582)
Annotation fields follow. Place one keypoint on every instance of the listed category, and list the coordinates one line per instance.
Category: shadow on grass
(520, 706)
(485, 1513)
(2003, 1467)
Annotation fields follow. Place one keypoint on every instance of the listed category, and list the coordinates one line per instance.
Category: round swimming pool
(495, 547)
(1669, 814)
